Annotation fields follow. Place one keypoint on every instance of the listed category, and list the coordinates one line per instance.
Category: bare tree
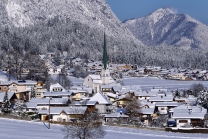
(196, 88)
(64, 81)
(87, 127)
(160, 121)
(79, 71)
(133, 109)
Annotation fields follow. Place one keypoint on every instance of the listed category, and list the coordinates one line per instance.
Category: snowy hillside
(164, 27)
(82, 18)
(13, 129)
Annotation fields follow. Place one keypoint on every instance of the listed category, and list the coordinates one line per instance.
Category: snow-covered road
(15, 129)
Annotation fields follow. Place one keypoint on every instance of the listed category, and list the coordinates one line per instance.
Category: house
(161, 99)
(103, 102)
(141, 95)
(56, 88)
(117, 116)
(43, 103)
(22, 88)
(78, 94)
(11, 97)
(189, 116)
(106, 89)
(39, 90)
(147, 111)
(122, 100)
(62, 114)
(163, 107)
(66, 94)
(5, 77)
(112, 96)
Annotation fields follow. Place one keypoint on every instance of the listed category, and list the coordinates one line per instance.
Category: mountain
(164, 27)
(69, 24)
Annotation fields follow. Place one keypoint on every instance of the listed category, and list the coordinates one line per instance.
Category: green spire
(105, 56)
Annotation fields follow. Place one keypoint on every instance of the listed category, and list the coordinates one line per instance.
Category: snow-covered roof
(45, 101)
(188, 115)
(147, 110)
(101, 99)
(48, 94)
(91, 103)
(57, 85)
(161, 98)
(23, 82)
(67, 110)
(4, 76)
(97, 81)
(115, 115)
(112, 95)
(167, 104)
(95, 77)
(145, 94)
(10, 94)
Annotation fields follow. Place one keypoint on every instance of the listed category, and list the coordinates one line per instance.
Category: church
(95, 81)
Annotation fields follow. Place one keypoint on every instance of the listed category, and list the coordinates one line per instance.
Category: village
(103, 91)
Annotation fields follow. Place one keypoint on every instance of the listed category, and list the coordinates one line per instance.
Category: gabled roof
(48, 94)
(101, 99)
(67, 110)
(147, 110)
(57, 85)
(95, 77)
(24, 82)
(160, 104)
(115, 115)
(188, 115)
(161, 98)
(45, 101)
(10, 94)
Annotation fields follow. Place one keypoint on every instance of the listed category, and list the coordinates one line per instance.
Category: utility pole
(49, 116)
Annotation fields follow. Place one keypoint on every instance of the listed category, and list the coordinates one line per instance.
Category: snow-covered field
(148, 83)
(15, 129)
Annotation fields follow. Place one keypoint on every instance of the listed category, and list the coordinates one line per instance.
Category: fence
(15, 117)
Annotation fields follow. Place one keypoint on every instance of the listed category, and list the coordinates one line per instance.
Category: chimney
(190, 111)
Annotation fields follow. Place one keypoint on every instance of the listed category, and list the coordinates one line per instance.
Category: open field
(148, 83)
(15, 129)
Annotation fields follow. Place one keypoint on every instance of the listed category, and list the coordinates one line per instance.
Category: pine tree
(18, 108)
(32, 92)
(6, 105)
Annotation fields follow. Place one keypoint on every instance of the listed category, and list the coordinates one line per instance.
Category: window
(183, 121)
(162, 108)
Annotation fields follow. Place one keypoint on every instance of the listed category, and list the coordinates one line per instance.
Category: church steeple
(105, 73)
(105, 56)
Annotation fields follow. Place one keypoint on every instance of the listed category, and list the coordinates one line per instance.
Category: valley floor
(16, 129)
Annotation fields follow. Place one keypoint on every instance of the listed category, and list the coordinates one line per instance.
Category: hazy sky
(127, 9)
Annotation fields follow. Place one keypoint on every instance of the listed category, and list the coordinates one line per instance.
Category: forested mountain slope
(164, 27)
(76, 26)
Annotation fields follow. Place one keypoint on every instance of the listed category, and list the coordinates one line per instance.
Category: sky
(127, 9)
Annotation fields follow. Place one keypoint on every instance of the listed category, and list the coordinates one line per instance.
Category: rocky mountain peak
(164, 27)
